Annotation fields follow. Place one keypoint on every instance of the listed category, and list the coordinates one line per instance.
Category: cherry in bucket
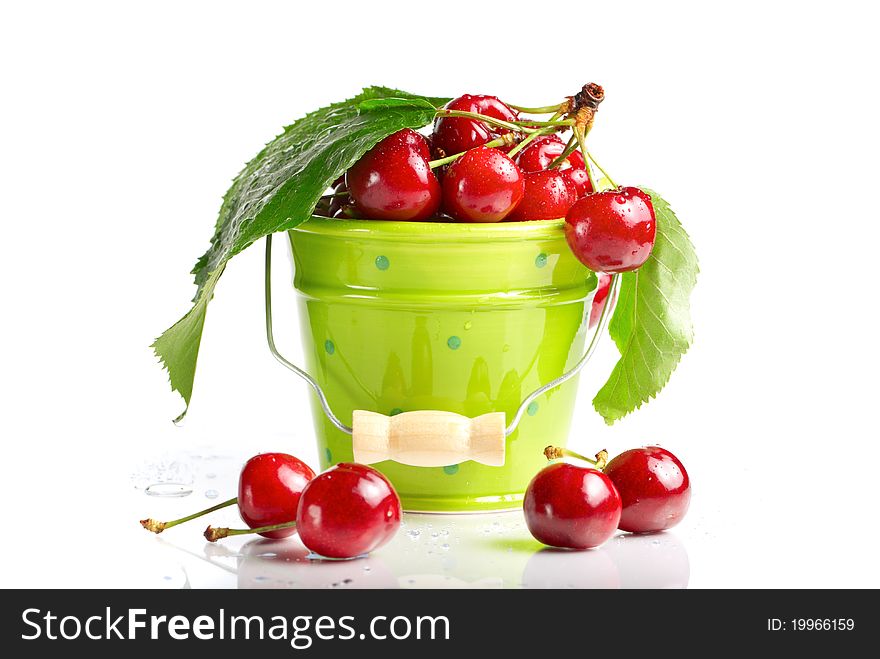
(547, 195)
(394, 181)
(654, 487)
(541, 154)
(454, 134)
(571, 506)
(483, 185)
(612, 231)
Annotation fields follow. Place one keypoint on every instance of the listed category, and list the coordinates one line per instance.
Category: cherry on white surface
(122, 128)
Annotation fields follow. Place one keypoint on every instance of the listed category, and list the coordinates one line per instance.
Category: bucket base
(463, 505)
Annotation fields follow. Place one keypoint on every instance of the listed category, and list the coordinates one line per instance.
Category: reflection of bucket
(466, 318)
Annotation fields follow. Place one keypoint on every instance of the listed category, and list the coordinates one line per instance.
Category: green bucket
(465, 318)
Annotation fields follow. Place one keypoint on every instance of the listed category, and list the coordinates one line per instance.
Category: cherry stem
(547, 109)
(562, 157)
(552, 122)
(601, 169)
(157, 527)
(557, 452)
(581, 134)
(522, 145)
(213, 534)
(504, 140)
(443, 112)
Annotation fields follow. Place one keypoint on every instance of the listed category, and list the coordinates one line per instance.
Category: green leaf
(278, 190)
(381, 103)
(651, 324)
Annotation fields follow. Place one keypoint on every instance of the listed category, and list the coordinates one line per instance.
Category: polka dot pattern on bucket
(541, 260)
(532, 409)
(395, 411)
(329, 348)
(328, 455)
(453, 342)
(382, 262)
(450, 470)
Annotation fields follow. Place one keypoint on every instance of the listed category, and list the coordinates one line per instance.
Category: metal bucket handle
(428, 438)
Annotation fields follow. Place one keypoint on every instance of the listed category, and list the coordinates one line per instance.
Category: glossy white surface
(121, 129)
(429, 551)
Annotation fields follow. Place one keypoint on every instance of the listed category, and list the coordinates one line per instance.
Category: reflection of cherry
(286, 564)
(554, 568)
(570, 506)
(599, 298)
(649, 561)
(654, 487)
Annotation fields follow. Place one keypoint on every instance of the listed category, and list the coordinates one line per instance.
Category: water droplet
(211, 494)
(382, 262)
(168, 490)
(468, 324)
(414, 534)
(211, 475)
(445, 545)
(453, 342)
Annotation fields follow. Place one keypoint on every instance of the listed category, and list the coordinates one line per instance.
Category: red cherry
(540, 153)
(456, 134)
(269, 490)
(578, 174)
(654, 487)
(349, 510)
(612, 231)
(341, 198)
(393, 180)
(599, 298)
(570, 506)
(484, 185)
(544, 150)
(548, 195)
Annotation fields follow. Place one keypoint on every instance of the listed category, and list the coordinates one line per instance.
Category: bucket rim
(434, 231)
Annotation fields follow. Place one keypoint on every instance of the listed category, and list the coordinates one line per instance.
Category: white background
(122, 125)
